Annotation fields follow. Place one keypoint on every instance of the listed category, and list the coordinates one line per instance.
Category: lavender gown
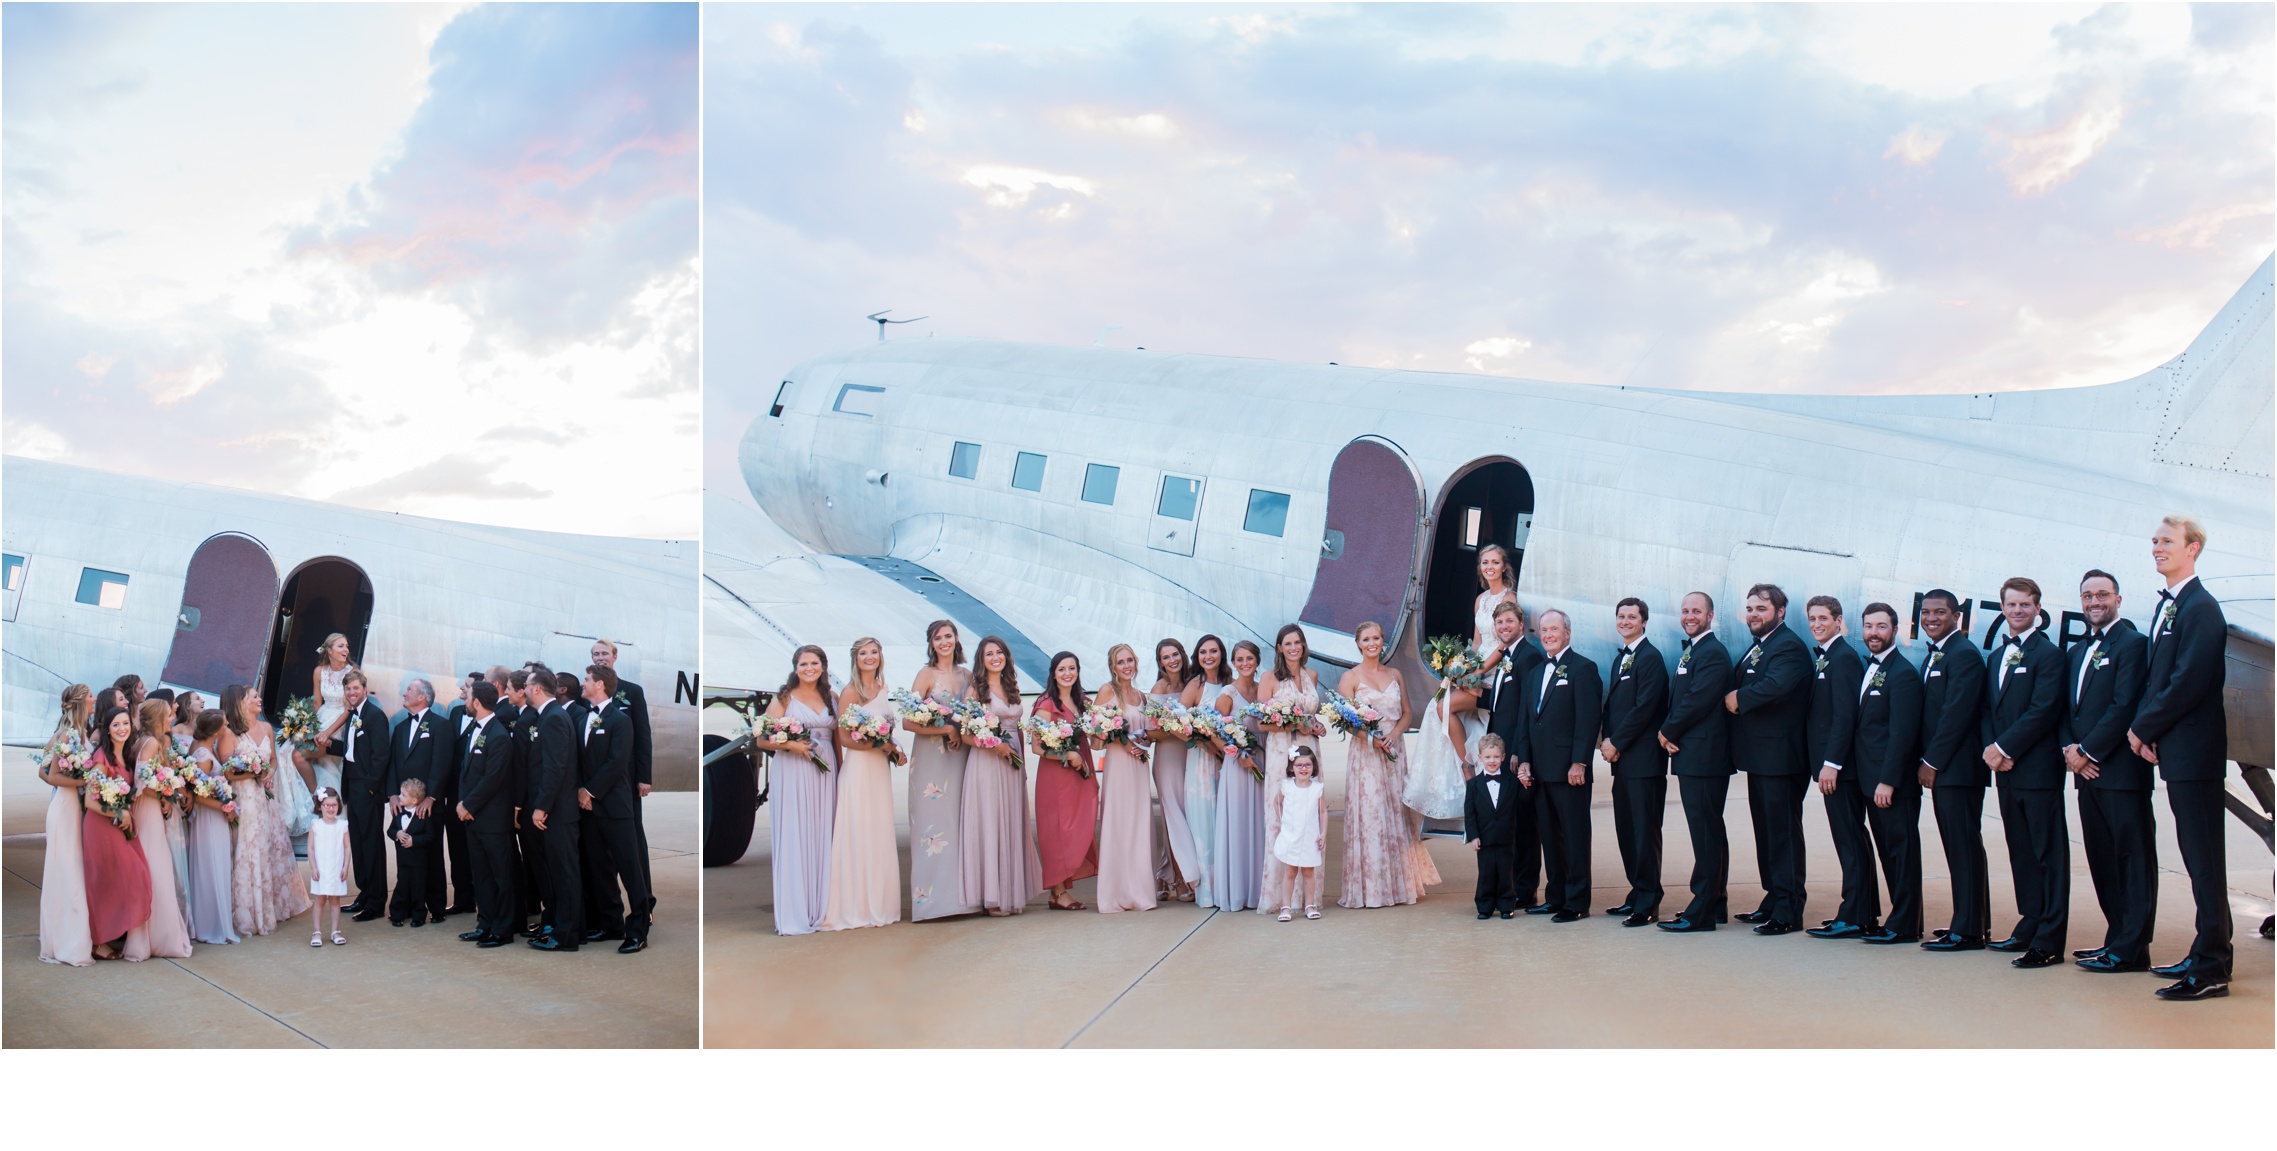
(1237, 856)
(801, 805)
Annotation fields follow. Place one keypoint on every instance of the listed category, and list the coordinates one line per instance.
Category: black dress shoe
(458, 909)
(2192, 987)
(1885, 935)
(2174, 970)
(367, 915)
(549, 943)
(2105, 963)
(2088, 952)
(394, 922)
(1836, 929)
(2012, 943)
(1639, 919)
(1753, 917)
(1774, 927)
(2035, 958)
(600, 934)
(476, 936)
(1623, 909)
(1485, 915)
(437, 916)
(1954, 943)
(1541, 909)
(1681, 924)
(1568, 916)
(1942, 932)
(418, 921)
(492, 941)
(631, 945)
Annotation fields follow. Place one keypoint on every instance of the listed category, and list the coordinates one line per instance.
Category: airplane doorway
(223, 624)
(322, 596)
(1488, 501)
(1367, 553)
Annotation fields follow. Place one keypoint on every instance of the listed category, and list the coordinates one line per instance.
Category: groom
(365, 784)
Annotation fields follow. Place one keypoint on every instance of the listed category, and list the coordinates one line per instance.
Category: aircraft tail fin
(2216, 407)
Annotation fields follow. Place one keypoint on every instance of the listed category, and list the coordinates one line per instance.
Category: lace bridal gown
(1435, 778)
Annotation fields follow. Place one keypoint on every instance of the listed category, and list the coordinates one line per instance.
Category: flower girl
(1303, 838)
(327, 866)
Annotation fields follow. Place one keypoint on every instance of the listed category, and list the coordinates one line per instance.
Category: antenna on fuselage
(879, 318)
(1101, 342)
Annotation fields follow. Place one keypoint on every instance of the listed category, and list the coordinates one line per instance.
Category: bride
(331, 694)
(1449, 739)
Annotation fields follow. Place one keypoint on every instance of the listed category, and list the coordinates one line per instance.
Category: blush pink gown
(1385, 863)
(1126, 825)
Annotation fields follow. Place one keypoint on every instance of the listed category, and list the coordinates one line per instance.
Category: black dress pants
(2198, 827)
(1960, 825)
(410, 900)
(2039, 864)
(367, 840)
(1703, 797)
(1846, 814)
(445, 816)
(1782, 847)
(640, 829)
(1897, 840)
(1526, 871)
(564, 874)
(1497, 879)
(611, 857)
(534, 893)
(1563, 812)
(2119, 832)
(1638, 805)
(496, 865)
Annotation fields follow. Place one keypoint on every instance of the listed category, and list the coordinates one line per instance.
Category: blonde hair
(324, 650)
(2193, 532)
(1509, 570)
(414, 788)
(854, 661)
(1114, 683)
(78, 706)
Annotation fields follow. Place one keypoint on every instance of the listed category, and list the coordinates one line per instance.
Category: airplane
(1076, 497)
(107, 574)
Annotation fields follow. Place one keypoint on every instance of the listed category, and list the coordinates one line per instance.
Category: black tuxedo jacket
(2022, 711)
(421, 749)
(1887, 746)
(1773, 678)
(369, 730)
(1501, 700)
(553, 765)
(2104, 703)
(636, 709)
(526, 755)
(1697, 722)
(2181, 712)
(1635, 704)
(604, 762)
(1952, 700)
(1560, 730)
(1833, 723)
(1494, 823)
(486, 778)
(422, 829)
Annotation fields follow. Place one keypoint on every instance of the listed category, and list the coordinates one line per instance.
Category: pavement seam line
(322, 1046)
(1158, 961)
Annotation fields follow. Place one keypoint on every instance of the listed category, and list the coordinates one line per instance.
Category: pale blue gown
(802, 802)
(1237, 851)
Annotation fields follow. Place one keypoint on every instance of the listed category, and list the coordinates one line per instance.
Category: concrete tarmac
(389, 987)
(1432, 975)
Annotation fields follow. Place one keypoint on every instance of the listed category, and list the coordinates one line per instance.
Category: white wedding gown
(331, 700)
(1435, 778)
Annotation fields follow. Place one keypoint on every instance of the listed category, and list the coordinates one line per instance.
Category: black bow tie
(2015, 641)
(2166, 594)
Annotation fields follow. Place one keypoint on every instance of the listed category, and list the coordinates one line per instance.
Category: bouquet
(298, 727)
(243, 763)
(214, 786)
(71, 758)
(1457, 664)
(872, 732)
(167, 774)
(1355, 719)
(785, 730)
(929, 711)
(1060, 739)
(1173, 718)
(113, 797)
(1228, 731)
(984, 730)
(1107, 725)
(1282, 713)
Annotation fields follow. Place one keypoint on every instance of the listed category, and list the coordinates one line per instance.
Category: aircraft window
(777, 410)
(14, 578)
(1028, 472)
(1180, 496)
(964, 460)
(1474, 522)
(1268, 513)
(858, 400)
(100, 588)
(1099, 483)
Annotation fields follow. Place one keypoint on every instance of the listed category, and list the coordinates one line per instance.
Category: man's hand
(1577, 775)
(1928, 775)
(1995, 760)
(538, 819)
(584, 800)
(1605, 748)
(1731, 702)
(1666, 746)
(1883, 794)
(2149, 751)
(1474, 845)
(465, 816)
(644, 787)
(1826, 778)
(1526, 775)
(426, 807)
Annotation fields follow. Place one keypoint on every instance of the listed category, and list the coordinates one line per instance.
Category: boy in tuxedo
(413, 836)
(1490, 825)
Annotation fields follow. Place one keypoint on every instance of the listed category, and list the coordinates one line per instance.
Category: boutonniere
(592, 719)
(1819, 664)
(2015, 656)
(1881, 675)
(622, 702)
(2103, 661)
(356, 723)
(2166, 616)
(478, 741)
(1628, 659)
(1754, 655)
(1685, 660)
(1933, 658)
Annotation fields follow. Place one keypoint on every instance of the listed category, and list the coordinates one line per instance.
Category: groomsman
(2023, 704)
(1695, 737)
(635, 703)
(422, 750)
(1635, 705)
(2104, 677)
(552, 759)
(605, 794)
(537, 888)
(1952, 702)
(1883, 757)
(365, 783)
(486, 805)
(1502, 701)
(453, 832)
(1558, 732)
(1770, 704)
(1836, 676)
(2180, 728)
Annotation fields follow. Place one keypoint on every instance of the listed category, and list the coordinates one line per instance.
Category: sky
(1843, 199)
(440, 260)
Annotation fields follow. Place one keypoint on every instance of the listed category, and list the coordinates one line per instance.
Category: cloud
(450, 478)
(534, 435)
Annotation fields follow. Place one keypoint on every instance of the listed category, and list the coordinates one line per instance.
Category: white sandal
(339, 940)
(316, 939)
(1312, 913)
(1285, 914)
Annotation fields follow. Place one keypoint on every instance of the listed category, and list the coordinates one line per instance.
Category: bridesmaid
(865, 868)
(209, 843)
(64, 934)
(803, 800)
(118, 878)
(1067, 791)
(176, 811)
(1210, 680)
(1002, 872)
(1177, 865)
(1385, 862)
(169, 927)
(1126, 837)
(1238, 846)
(937, 785)
(264, 885)
(187, 707)
(1290, 680)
